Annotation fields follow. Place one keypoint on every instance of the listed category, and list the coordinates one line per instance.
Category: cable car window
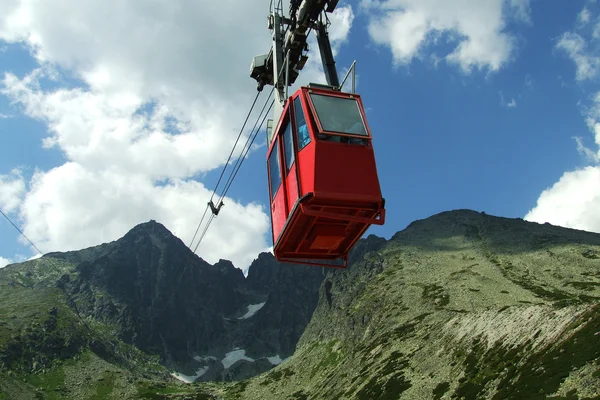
(288, 146)
(302, 127)
(339, 114)
(274, 169)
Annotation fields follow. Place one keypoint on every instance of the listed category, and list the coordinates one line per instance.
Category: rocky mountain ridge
(149, 291)
(460, 305)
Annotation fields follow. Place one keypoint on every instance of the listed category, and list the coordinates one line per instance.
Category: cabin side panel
(346, 171)
(278, 213)
(292, 187)
(276, 189)
(306, 140)
(290, 162)
(306, 166)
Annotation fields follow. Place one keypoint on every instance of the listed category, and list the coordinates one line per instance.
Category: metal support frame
(278, 62)
(353, 70)
(327, 55)
(215, 209)
(287, 76)
(318, 263)
(378, 217)
(289, 42)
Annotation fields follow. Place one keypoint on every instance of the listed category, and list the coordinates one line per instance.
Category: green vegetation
(542, 375)
(440, 390)
(434, 309)
(472, 231)
(591, 254)
(158, 390)
(38, 330)
(462, 305)
(436, 294)
(47, 350)
(330, 359)
(52, 383)
(587, 286)
(276, 375)
(389, 382)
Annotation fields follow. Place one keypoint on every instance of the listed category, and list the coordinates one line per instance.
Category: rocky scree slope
(146, 291)
(461, 305)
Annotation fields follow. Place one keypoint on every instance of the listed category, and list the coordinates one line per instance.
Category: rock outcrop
(150, 291)
(461, 305)
(458, 305)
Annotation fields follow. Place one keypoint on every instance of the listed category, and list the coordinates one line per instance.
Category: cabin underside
(321, 231)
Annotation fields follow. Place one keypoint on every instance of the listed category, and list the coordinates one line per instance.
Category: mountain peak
(157, 233)
(478, 291)
(151, 226)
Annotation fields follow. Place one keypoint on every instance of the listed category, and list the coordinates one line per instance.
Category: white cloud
(521, 10)
(585, 151)
(529, 82)
(573, 201)
(584, 16)
(97, 129)
(35, 257)
(341, 22)
(596, 31)
(164, 89)
(592, 155)
(575, 46)
(511, 104)
(111, 182)
(592, 114)
(4, 262)
(409, 26)
(12, 189)
(73, 207)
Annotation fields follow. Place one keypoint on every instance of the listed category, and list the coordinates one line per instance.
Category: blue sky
(491, 128)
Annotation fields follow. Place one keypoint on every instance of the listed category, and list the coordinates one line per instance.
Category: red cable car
(323, 183)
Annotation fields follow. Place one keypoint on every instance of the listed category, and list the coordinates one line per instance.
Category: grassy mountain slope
(99, 322)
(49, 351)
(459, 305)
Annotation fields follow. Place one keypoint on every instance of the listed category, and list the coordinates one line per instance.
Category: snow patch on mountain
(234, 356)
(252, 309)
(202, 359)
(188, 378)
(275, 360)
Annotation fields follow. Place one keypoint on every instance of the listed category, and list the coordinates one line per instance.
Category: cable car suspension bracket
(289, 50)
(215, 210)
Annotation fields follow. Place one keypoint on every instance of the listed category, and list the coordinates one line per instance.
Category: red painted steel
(331, 194)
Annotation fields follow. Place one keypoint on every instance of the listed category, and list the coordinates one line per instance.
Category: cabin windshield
(338, 114)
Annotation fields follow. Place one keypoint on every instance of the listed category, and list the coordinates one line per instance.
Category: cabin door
(276, 190)
(290, 163)
(282, 176)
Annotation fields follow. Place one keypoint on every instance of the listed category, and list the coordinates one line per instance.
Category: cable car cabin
(323, 183)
